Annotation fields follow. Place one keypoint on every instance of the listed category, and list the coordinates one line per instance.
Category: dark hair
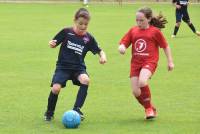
(157, 21)
(82, 12)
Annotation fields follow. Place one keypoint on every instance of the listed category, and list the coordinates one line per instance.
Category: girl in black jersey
(182, 14)
(75, 43)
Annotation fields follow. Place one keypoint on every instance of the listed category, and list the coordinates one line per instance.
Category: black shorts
(61, 76)
(182, 15)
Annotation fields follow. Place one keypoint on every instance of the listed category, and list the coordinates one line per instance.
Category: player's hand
(178, 6)
(122, 49)
(102, 59)
(170, 66)
(52, 43)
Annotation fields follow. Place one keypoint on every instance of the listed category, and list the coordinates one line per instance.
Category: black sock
(81, 96)
(52, 100)
(192, 27)
(176, 28)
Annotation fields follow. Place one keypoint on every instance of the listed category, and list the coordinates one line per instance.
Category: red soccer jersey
(145, 44)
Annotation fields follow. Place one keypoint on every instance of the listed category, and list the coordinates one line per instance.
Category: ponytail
(158, 21)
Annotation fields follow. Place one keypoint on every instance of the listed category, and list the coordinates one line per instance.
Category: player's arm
(125, 42)
(57, 39)
(174, 2)
(162, 43)
(52, 43)
(102, 57)
(168, 54)
(95, 49)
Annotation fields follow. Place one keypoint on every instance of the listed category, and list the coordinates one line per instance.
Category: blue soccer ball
(71, 119)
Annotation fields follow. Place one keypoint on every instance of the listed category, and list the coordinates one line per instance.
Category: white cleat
(197, 33)
(173, 36)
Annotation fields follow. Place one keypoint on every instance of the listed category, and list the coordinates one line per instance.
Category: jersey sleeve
(60, 36)
(160, 39)
(93, 46)
(126, 40)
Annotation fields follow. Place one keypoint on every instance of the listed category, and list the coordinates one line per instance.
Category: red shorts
(136, 68)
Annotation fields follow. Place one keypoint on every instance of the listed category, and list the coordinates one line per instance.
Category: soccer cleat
(197, 33)
(150, 113)
(77, 109)
(48, 116)
(173, 36)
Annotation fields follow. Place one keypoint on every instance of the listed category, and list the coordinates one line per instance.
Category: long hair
(157, 21)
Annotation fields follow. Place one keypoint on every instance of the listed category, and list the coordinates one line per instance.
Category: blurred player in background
(182, 14)
(85, 3)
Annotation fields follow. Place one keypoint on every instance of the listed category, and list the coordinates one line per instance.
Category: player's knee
(178, 24)
(84, 79)
(142, 83)
(56, 88)
(136, 93)
(189, 23)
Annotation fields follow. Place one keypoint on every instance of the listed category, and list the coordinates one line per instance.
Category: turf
(27, 65)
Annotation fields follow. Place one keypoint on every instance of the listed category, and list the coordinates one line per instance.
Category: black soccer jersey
(182, 3)
(74, 48)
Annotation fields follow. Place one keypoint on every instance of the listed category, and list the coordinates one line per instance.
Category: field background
(27, 65)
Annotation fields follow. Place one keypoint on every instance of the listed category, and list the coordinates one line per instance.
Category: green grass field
(27, 65)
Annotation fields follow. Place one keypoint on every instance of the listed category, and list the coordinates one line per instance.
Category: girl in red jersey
(146, 38)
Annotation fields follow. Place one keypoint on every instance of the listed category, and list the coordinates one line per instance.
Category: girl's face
(81, 25)
(142, 21)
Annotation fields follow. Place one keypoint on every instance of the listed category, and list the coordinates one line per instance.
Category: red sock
(145, 97)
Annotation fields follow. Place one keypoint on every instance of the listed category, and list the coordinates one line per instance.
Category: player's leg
(84, 80)
(178, 23)
(134, 74)
(59, 80)
(176, 28)
(144, 76)
(134, 86)
(145, 96)
(52, 100)
(186, 19)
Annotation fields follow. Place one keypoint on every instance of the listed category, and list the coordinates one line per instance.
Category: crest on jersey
(86, 39)
(140, 45)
